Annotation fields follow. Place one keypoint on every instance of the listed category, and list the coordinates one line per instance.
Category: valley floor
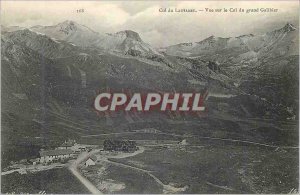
(205, 167)
(170, 162)
(201, 168)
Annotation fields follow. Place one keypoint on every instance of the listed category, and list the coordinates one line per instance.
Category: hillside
(50, 75)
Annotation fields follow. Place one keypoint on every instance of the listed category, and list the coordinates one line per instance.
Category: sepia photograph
(149, 97)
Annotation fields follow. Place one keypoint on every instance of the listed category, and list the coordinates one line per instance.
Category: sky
(156, 28)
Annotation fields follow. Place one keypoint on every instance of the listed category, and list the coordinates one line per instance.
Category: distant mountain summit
(258, 45)
(288, 27)
(130, 34)
(41, 43)
(68, 27)
(10, 28)
(69, 31)
(124, 42)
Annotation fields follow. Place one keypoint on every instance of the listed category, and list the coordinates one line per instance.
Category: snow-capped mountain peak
(245, 36)
(129, 34)
(285, 29)
(126, 42)
(69, 26)
(288, 27)
(276, 42)
(69, 31)
(39, 42)
(212, 37)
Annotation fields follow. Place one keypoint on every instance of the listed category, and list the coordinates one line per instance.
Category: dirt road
(76, 173)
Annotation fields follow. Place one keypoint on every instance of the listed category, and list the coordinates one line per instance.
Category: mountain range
(125, 42)
(50, 75)
(283, 41)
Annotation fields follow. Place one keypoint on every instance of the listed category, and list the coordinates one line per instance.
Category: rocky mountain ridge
(124, 42)
(235, 46)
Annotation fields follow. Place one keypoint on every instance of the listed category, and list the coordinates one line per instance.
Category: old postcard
(149, 97)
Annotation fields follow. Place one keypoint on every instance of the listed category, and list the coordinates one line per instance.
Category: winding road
(202, 137)
(166, 188)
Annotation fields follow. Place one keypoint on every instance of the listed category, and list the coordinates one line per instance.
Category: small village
(89, 163)
(67, 152)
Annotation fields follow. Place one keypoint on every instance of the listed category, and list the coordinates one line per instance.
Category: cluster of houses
(70, 149)
(66, 150)
(55, 155)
